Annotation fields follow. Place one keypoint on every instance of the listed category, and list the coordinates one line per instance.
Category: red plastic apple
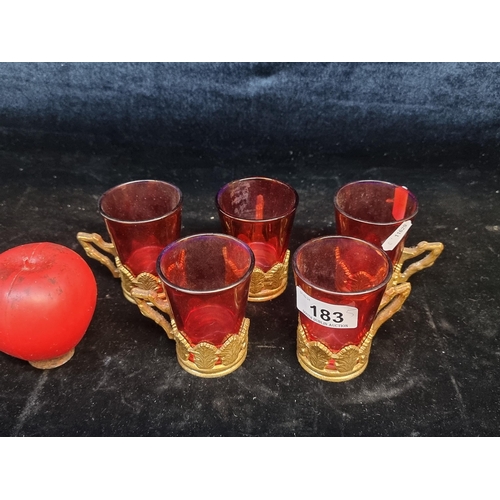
(48, 296)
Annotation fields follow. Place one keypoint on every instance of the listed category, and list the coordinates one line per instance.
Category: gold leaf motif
(275, 276)
(205, 359)
(396, 274)
(319, 356)
(273, 279)
(230, 350)
(366, 343)
(183, 346)
(315, 357)
(147, 281)
(257, 281)
(301, 340)
(205, 356)
(182, 351)
(245, 324)
(347, 358)
(128, 279)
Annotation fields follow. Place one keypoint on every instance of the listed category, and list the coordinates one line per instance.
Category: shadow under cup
(340, 283)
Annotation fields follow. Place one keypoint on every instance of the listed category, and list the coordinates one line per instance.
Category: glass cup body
(373, 211)
(206, 278)
(142, 218)
(342, 278)
(260, 212)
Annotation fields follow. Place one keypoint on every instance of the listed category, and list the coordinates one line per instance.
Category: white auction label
(391, 242)
(326, 314)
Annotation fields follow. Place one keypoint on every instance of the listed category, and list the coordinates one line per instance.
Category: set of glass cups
(196, 288)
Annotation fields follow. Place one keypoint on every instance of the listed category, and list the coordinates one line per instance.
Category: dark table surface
(434, 367)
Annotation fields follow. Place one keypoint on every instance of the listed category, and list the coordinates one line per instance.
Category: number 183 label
(323, 313)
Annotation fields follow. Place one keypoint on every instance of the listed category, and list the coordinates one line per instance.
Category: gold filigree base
(208, 361)
(352, 360)
(204, 359)
(145, 281)
(268, 286)
(47, 364)
(319, 361)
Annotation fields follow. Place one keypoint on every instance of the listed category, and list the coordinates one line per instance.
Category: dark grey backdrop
(69, 132)
(269, 110)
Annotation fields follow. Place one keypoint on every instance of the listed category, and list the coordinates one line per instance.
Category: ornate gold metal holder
(434, 250)
(146, 281)
(204, 359)
(352, 360)
(267, 286)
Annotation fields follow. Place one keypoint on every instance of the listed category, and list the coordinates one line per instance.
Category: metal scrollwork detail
(145, 281)
(318, 355)
(350, 361)
(267, 286)
(91, 240)
(323, 363)
(431, 252)
(207, 360)
(348, 358)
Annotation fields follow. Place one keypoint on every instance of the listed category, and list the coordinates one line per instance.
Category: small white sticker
(391, 242)
(323, 313)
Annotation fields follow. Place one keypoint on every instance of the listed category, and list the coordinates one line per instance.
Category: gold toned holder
(204, 359)
(145, 291)
(267, 286)
(146, 281)
(434, 250)
(352, 360)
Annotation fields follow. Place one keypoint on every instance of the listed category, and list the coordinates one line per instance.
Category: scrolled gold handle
(392, 301)
(88, 240)
(434, 250)
(145, 300)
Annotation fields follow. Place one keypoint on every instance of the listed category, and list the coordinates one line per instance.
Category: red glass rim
(265, 179)
(373, 248)
(220, 236)
(132, 184)
(377, 183)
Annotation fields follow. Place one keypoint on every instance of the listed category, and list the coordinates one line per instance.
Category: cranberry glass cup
(340, 282)
(206, 280)
(374, 211)
(142, 217)
(260, 212)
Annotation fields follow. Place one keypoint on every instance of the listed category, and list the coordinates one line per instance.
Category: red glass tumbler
(206, 281)
(260, 211)
(340, 283)
(142, 218)
(382, 213)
